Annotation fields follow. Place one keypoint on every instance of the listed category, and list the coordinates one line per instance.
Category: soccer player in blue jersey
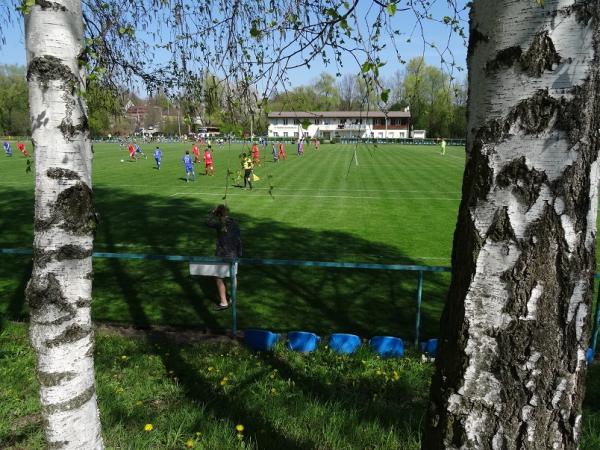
(139, 152)
(7, 148)
(157, 156)
(188, 162)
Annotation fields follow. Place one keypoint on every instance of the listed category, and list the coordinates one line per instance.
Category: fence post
(233, 275)
(418, 315)
(596, 324)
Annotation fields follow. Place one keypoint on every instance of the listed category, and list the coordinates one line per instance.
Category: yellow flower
(273, 391)
(198, 434)
(239, 428)
(211, 368)
(189, 443)
(148, 427)
(223, 382)
(124, 357)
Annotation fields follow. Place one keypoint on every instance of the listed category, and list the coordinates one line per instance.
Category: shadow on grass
(361, 301)
(366, 302)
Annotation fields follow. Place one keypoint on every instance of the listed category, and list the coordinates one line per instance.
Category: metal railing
(421, 270)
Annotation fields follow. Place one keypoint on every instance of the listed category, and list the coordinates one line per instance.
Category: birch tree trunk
(59, 292)
(516, 324)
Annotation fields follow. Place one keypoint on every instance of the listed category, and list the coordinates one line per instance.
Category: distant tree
(326, 92)
(14, 109)
(347, 87)
(457, 121)
(105, 108)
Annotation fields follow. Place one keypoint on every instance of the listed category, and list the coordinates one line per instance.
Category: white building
(339, 124)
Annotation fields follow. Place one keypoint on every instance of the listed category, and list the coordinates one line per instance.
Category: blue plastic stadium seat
(260, 340)
(302, 341)
(344, 343)
(387, 346)
(589, 355)
(431, 347)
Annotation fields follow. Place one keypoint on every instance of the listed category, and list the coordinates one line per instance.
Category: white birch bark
(59, 292)
(515, 328)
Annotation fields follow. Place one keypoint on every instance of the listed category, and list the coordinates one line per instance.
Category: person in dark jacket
(229, 246)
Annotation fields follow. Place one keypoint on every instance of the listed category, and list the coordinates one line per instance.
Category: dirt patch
(167, 333)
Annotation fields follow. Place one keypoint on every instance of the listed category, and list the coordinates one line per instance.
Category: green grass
(284, 400)
(397, 206)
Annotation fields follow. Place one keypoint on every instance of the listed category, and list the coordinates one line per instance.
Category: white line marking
(275, 194)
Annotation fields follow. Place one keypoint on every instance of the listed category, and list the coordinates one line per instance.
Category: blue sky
(13, 52)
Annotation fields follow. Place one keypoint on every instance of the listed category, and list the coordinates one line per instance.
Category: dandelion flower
(239, 428)
(148, 427)
(189, 443)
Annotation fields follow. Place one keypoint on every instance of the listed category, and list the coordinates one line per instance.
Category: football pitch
(364, 203)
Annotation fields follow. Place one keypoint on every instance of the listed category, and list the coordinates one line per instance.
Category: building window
(316, 121)
(295, 134)
(285, 121)
(296, 122)
(276, 134)
(285, 134)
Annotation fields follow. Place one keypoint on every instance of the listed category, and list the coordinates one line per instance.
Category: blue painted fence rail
(292, 262)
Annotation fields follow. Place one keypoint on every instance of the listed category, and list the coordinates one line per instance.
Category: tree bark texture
(515, 328)
(59, 292)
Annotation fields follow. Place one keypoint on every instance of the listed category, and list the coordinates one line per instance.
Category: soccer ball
(122, 160)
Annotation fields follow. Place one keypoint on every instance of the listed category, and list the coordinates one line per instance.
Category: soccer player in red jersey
(208, 162)
(131, 149)
(255, 154)
(21, 148)
(196, 153)
(282, 151)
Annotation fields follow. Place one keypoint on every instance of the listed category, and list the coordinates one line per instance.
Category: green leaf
(26, 6)
(385, 95)
(391, 8)
(366, 67)
(255, 32)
